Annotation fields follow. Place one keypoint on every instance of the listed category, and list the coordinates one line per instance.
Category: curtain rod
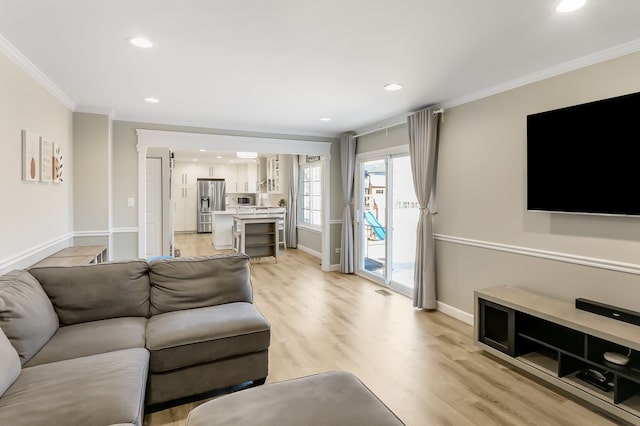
(388, 126)
(377, 129)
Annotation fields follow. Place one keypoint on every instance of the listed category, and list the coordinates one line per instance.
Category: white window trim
(311, 226)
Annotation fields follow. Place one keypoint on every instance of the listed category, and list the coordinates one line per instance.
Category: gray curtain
(292, 212)
(423, 142)
(348, 163)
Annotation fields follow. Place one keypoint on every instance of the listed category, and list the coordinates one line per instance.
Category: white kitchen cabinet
(242, 178)
(252, 177)
(247, 177)
(273, 175)
(228, 172)
(184, 183)
(188, 173)
(185, 208)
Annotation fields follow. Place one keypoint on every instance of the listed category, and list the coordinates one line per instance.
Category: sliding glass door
(373, 215)
(387, 216)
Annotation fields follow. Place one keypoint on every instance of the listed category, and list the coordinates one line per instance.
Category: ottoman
(334, 398)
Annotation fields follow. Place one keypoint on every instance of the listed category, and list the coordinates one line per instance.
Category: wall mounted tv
(585, 158)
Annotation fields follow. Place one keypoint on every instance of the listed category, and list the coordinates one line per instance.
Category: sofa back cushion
(9, 363)
(96, 292)
(186, 283)
(26, 315)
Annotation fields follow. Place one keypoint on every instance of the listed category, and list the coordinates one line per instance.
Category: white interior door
(154, 207)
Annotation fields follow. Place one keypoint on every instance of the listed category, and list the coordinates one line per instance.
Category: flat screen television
(585, 158)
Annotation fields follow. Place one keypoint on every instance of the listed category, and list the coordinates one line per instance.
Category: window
(311, 195)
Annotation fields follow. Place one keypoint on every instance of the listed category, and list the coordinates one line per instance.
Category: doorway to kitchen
(386, 219)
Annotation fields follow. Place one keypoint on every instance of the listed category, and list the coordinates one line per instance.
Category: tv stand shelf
(554, 341)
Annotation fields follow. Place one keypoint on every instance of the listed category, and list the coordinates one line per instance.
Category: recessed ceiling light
(392, 87)
(140, 42)
(152, 100)
(246, 154)
(325, 119)
(195, 159)
(569, 5)
(219, 156)
(203, 150)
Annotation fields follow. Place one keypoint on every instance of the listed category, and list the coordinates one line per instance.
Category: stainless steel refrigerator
(211, 197)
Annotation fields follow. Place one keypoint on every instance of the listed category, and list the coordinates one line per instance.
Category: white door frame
(157, 163)
(212, 142)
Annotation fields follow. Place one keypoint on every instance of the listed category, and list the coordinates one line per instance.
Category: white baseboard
(30, 256)
(455, 313)
(335, 267)
(310, 251)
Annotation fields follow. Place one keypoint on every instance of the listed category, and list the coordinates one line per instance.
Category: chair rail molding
(629, 268)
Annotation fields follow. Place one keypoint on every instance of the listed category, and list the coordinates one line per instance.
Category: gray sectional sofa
(92, 344)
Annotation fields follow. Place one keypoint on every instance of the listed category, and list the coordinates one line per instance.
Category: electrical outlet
(131, 202)
(338, 250)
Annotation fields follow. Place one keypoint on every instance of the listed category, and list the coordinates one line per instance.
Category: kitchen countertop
(234, 210)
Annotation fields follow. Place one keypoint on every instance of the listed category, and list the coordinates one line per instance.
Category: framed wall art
(46, 160)
(30, 156)
(57, 163)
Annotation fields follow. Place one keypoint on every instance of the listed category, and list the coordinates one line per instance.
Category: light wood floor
(423, 365)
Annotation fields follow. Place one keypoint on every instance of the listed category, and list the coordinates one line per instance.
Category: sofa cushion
(196, 336)
(26, 314)
(329, 399)
(9, 363)
(90, 338)
(95, 292)
(96, 390)
(186, 283)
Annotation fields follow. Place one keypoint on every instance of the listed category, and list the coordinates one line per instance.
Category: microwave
(245, 200)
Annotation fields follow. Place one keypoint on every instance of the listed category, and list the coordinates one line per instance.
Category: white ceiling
(186, 156)
(280, 65)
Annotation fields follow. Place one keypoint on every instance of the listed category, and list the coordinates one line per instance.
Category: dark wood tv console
(554, 341)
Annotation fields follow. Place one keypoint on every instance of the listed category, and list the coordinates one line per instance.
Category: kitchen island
(256, 235)
(222, 236)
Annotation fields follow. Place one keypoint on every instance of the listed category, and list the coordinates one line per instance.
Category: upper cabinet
(246, 178)
(239, 178)
(228, 172)
(273, 175)
(252, 178)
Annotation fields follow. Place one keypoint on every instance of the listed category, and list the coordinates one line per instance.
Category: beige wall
(36, 217)
(480, 196)
(480, 199)
(92, 145)
(310, 239)
(387, 138)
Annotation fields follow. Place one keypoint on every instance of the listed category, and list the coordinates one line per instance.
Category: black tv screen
(586, 158)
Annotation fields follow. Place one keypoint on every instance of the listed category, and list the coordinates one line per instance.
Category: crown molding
(19, 59)
(563, 68)
(95, 110)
